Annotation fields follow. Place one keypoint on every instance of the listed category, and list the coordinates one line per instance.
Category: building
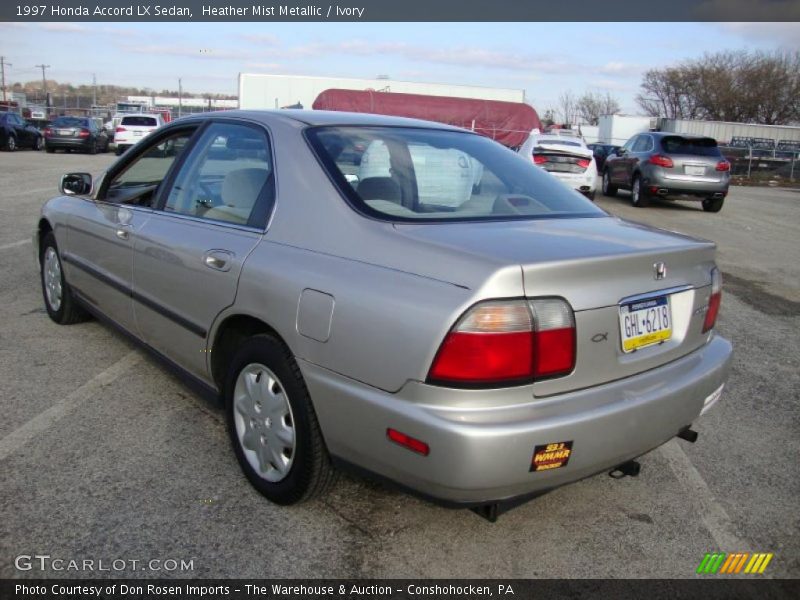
(261, 91)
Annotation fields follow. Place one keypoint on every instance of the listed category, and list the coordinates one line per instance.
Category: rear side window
(694, 146)
(140, 121)
(227, 177)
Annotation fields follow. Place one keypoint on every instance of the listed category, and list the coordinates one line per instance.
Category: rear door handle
(219, 260)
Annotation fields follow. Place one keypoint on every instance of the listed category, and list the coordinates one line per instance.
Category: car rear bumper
(586, 183)
(84, 143)
(482, 441)
(681, 185)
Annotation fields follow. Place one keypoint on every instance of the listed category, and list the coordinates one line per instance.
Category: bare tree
(755, 87)
(566, 105)
(593, 105)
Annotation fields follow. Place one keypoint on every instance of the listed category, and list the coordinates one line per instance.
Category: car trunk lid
(603, 267)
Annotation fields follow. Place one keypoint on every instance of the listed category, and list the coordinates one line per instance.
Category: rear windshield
(410, 174)
(696, 146)
(139, 121)
(558, 142)
(70, 122)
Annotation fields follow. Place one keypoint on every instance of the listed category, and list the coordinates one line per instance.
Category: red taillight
(661, 161)
(714, 301)
(84, 133)
(507, 342)
(583, 163)
(723, 165)
(539, 159)
(407, 441)
(48, 132)
(120, 130)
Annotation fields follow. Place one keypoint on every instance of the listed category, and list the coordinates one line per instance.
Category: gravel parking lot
(106, 455)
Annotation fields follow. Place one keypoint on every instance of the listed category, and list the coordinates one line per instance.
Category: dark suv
(664, 164)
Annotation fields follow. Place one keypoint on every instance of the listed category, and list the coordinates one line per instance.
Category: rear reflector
(714, 301)
(583, 163)
(120, 129)
(539, 159)
(507, 342)
(661, 161)
(407, 441)
(84, 133)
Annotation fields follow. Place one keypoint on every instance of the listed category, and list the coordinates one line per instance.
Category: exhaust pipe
(663, 191)
(688, 434)
(627, 469)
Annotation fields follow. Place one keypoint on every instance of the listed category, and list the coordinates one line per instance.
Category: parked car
(601, 152)
(566, 157)
(75, 133)
(16, 132)
(134, 127)
(473, 351)
(660, 164)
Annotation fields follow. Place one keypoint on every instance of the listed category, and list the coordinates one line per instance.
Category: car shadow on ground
(677, 204)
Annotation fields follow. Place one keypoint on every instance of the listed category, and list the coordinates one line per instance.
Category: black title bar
(399, 10)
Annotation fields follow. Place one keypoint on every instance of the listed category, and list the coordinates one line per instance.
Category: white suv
(134, 127)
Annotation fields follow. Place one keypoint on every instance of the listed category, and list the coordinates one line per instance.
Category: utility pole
(3, 65)
(180, 97)
(94, 90)
(44, 83)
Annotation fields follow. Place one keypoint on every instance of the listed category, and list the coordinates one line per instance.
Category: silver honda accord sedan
(402, 297)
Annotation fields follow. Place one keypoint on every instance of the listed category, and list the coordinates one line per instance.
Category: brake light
(661, 161)
(507, 342)
(413, 444)
(723, 165)
(714, 301)
(84, 133)
(583, 163)
(48, 132)
(538, 159)
(120, 130)
(554, 337)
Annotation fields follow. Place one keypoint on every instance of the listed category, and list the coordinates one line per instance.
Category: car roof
(325, 117)
(692, 136)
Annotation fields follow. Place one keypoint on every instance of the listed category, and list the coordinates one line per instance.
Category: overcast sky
(545, 59)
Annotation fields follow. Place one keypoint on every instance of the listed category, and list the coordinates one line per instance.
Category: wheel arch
(42, 229)
(228, 335)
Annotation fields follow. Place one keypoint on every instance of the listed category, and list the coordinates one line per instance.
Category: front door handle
(122, 233)
(219, 260)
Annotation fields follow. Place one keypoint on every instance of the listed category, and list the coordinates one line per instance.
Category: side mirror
(620, 151)
(76, 184)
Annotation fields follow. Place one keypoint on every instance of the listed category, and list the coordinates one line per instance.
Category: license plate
(693, 170)
(65, 132)
(137, 133)
(644, 323)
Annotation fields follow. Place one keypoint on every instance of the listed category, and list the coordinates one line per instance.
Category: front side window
(410, 174)
(228, 177)
(137, 183)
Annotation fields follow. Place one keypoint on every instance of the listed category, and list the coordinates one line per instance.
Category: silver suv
(666, 164)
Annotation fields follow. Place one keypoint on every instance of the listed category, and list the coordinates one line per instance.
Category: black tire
(68, 311)
(118, 151)
(311, 472)
(639, 196)
(713, 205)
(38, 144)
(49, 149)
(608, 189)
(93, 148)
(590, 196)
(11, 143)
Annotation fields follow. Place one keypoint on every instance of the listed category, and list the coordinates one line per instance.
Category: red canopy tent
(509, 123)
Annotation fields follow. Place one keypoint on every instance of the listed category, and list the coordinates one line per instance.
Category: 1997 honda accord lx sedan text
(474, 343)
